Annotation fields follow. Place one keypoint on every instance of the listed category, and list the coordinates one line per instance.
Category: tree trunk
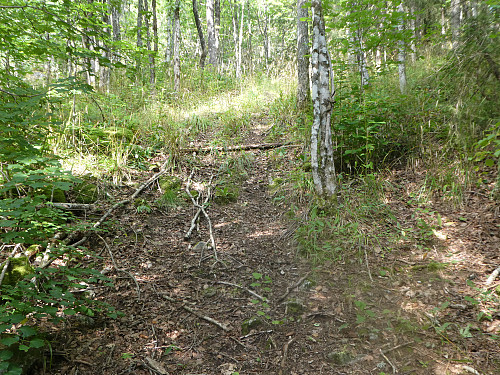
(455, 23)
(216, 29)
(139, 33)
(413, 48)
(148, 43)
(211, 42)
(303, 91)
(401, 51)
(177, 42)
(323, 167)
(240, 41)
(155, 43)
(203, 45)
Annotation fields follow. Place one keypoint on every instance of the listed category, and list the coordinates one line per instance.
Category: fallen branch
(121, 269)
(258, 146)
(296, 285)
(493, 276)
(285, 353)
(208, 319)
(394, 369)
(74, 206)
(202, 209)
(243, 288)
(46, 262)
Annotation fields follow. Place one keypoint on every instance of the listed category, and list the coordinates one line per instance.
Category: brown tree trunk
(203, 45)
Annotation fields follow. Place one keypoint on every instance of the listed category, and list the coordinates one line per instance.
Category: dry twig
(48, 261)
(394, 369)
(242, 288)
(207, 318)
(296, 285)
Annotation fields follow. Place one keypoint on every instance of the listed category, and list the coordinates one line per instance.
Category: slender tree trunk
(240, 41)
(455, 22)
(177, 42)
(413, 48)
(211, 42)
(148, 43)
(155, 43)
(170, 39)
(139, 33)
(303, 92)
(361, 57)
(323, 167)
(401, 52)
(217, 29)
(203, 45)
(235, 34)
(115, 22)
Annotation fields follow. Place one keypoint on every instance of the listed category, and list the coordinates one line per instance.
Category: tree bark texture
(203, 45)
(139, 32)
(240, 41)
(303, 91)
(455, 22)
(211, 41)
(155, 42)
(177, 42)
(322, 162)
(401, 52)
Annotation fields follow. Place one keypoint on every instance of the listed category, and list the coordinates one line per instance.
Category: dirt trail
(337, 321)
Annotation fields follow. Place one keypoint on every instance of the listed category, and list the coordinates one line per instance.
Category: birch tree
(211, 35)
(323, 92)
(401, 51)
(177, 42)
(303, 92)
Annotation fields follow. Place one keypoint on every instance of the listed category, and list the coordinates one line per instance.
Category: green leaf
(37, 343)
(489, 162)
(5, 355)
(9, 340)
(257, 276)
(24, 348)
(261, 313)
(27, 331)
(69, 312)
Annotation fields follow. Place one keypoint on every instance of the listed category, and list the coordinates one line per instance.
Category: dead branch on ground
(258, 146)
(207, 318)
(204, 212)
(48, 261)
(243, 288)
(296, 285)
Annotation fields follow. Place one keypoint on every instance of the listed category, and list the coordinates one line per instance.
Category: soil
(254, 305)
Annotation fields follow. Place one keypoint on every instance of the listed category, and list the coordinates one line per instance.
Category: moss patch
(18, 269)
(86, 192)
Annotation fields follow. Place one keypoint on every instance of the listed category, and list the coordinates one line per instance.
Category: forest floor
(257, 307)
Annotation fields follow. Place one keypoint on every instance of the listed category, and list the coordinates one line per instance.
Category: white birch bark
(211, 40)
(303, 91)
(455, 22)
(240, 41)
(401, 52)
(323, 168)
(177, 42)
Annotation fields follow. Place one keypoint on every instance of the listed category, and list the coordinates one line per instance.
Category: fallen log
(256, 146)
